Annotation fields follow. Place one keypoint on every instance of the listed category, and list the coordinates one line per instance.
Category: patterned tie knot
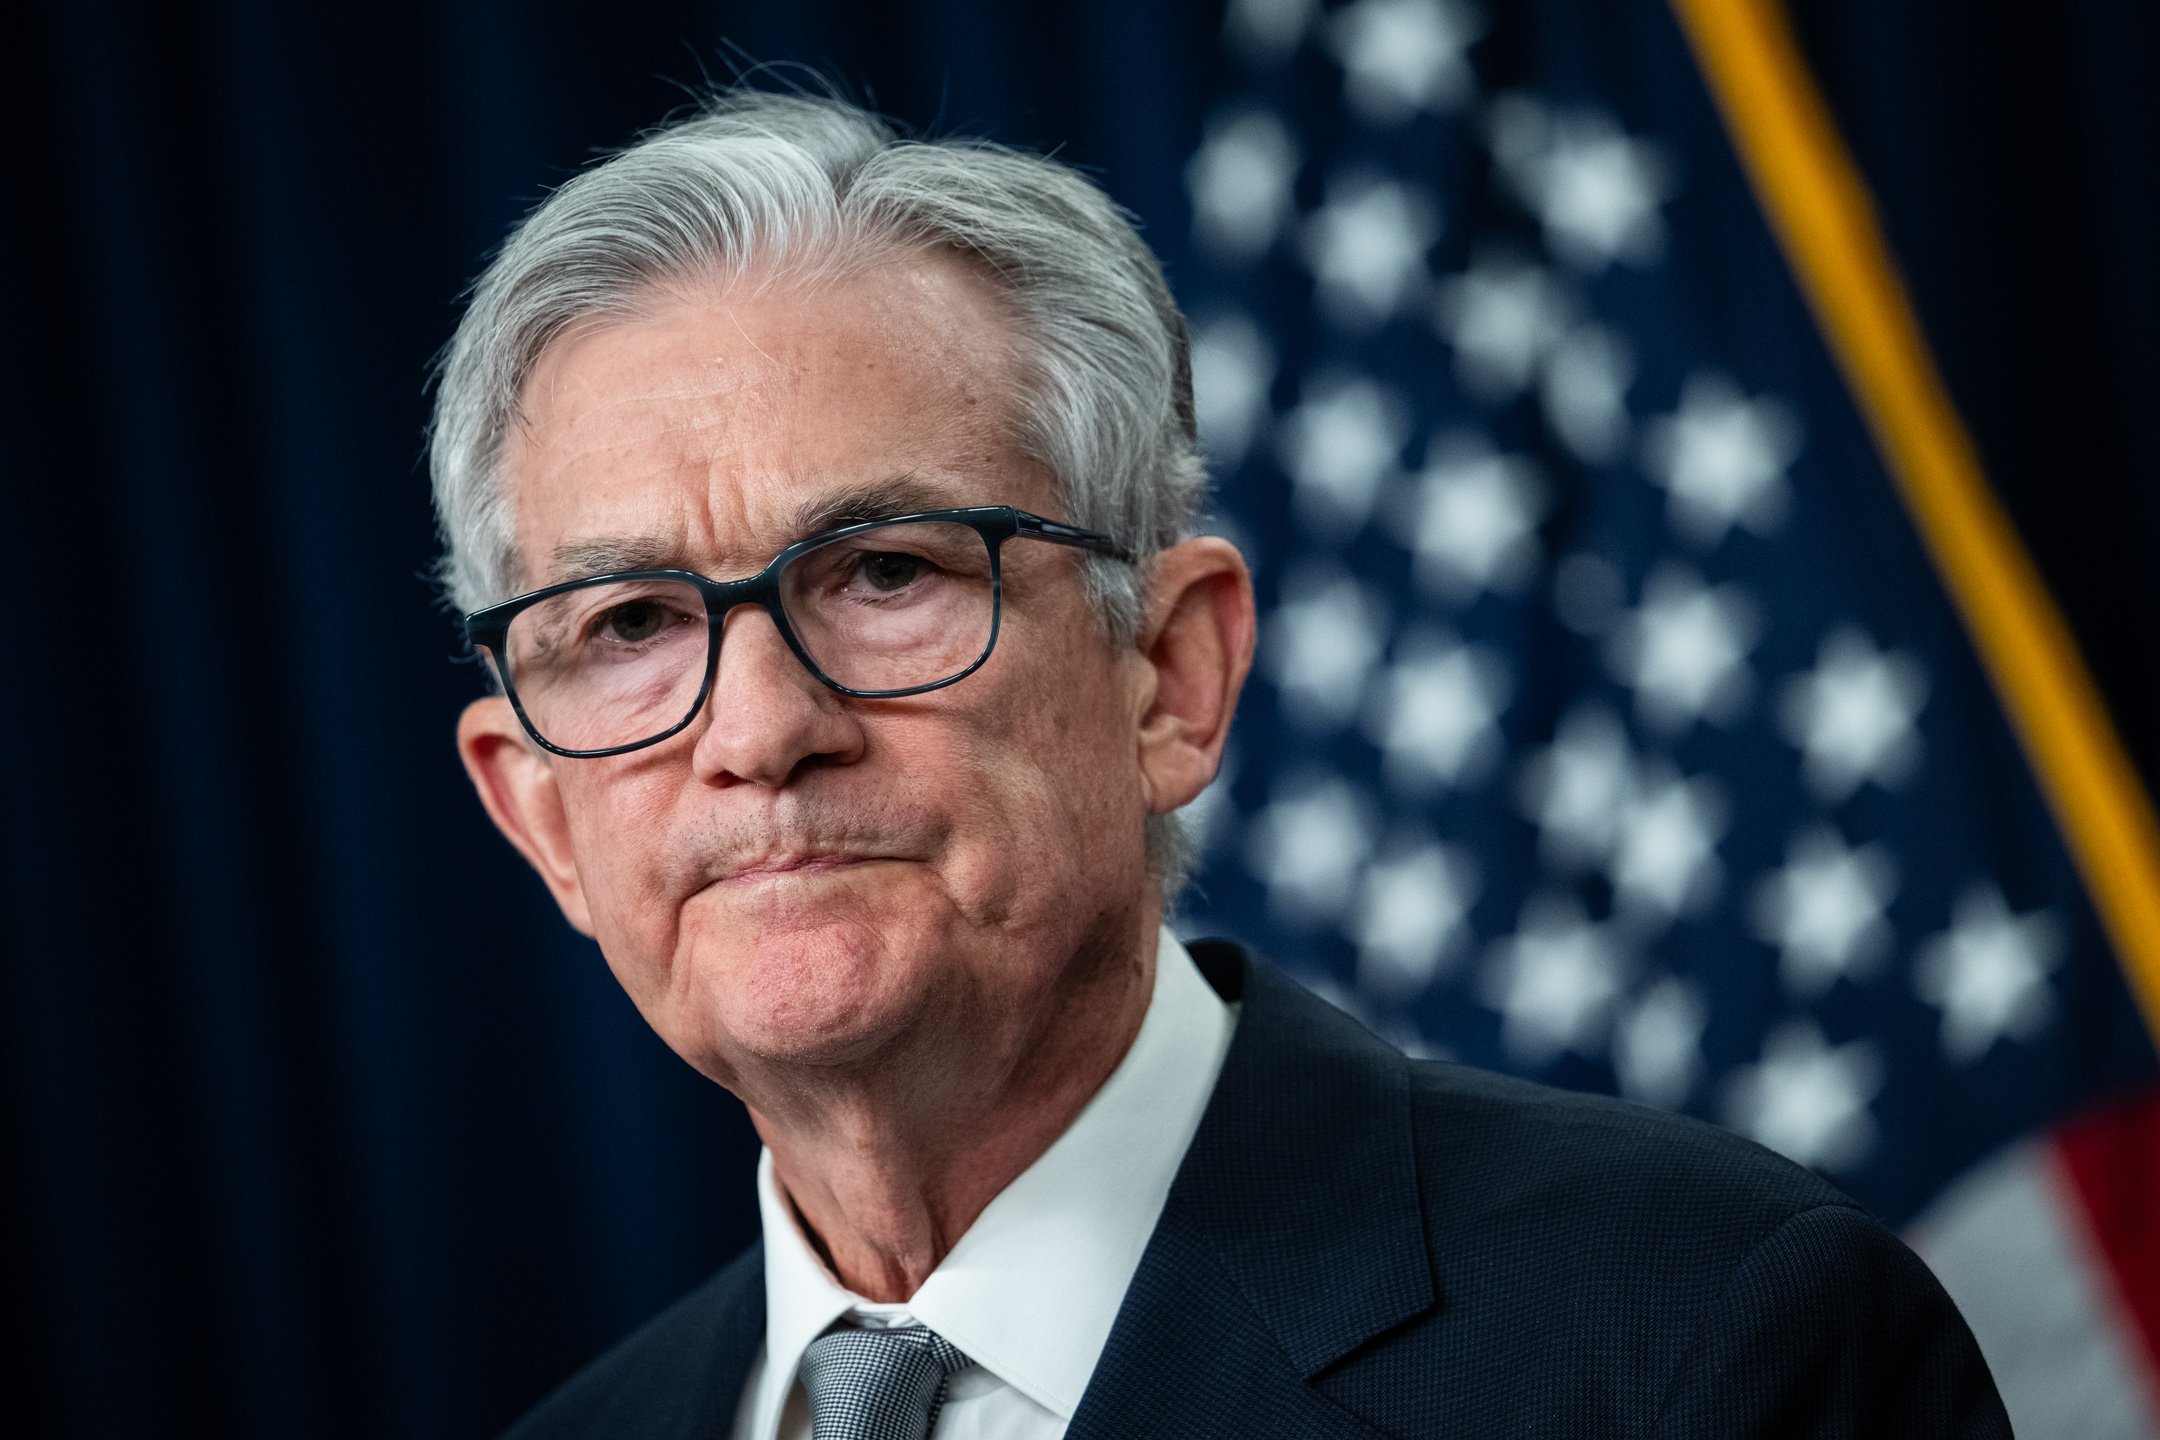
(878, 1384)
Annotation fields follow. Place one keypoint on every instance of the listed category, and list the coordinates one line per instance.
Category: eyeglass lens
(893, 608)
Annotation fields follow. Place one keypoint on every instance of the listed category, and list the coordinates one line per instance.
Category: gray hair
(762, 182)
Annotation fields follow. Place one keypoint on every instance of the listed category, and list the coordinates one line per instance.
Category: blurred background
(1649, 698)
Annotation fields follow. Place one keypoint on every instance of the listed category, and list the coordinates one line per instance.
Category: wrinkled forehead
(727, 419)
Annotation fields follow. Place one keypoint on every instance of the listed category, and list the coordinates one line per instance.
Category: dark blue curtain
(321, 1122)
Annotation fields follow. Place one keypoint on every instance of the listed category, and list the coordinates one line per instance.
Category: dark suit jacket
(1362, 1245)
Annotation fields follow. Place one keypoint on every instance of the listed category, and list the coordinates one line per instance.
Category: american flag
(1612, 724)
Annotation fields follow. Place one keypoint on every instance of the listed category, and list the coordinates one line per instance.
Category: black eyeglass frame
(489, 629)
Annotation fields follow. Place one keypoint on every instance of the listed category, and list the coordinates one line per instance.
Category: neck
(887, 1170)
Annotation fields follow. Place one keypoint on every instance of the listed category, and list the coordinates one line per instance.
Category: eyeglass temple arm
(1059, 533)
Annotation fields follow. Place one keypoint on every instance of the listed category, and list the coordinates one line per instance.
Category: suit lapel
(1292, 1235)
(1190, 1358)
(738, 1338)
(691, 1381)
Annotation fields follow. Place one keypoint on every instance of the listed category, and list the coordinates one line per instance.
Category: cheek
(1050, 776)
(620, 825)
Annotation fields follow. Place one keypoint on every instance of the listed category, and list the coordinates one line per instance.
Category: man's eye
(886, 570)
(633, 621)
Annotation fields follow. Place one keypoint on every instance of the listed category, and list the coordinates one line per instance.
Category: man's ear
(1198, 643)
(516, 782)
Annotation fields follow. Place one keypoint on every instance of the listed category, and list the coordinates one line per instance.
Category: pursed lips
(801, 862)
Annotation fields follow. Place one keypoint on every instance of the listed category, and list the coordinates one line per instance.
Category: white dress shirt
(1030, 1291)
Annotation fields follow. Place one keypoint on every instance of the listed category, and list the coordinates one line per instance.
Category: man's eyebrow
(580, 559)
(856, 505)
(863, 504)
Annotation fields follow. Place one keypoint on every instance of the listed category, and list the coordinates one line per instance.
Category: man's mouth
(793, 863)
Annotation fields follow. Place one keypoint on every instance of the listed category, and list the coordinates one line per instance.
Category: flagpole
(1820, 211)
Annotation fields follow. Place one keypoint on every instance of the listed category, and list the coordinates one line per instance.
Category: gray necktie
(878, 1384)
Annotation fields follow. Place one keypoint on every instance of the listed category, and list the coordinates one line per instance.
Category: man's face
(801, 876)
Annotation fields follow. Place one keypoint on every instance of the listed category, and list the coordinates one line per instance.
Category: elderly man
(824, 503)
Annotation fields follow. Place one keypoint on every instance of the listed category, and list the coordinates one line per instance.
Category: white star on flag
(1322, 642)
(1824, 911)
(1239, 181)
(1852, 716)
(1554, 982)
(1665, 861)
(1308, 845)
(1412, 916)
(1472, 519)
(1596, 190)
(1576, 789)
(1684, 650)
(1584, 393)
(1341, 444)
(1988, 974)
(1366, 246)
(1503, 315)
(1807, 1099)
(1267, 31)
(1721, 457)
(1232, 367)
(1657, 1044)
(1401, 57)
(1432, 713)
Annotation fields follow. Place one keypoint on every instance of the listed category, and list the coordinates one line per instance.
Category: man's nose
(767, 714)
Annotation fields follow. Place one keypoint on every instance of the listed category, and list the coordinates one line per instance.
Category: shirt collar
(1031, 1290)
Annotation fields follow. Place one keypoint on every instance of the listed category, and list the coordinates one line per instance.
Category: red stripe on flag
(2112, 1158)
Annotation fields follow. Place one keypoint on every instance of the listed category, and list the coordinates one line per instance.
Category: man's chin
(819, 968)
(796, 1034)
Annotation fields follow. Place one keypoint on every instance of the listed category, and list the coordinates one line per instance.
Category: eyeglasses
(887, 608)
